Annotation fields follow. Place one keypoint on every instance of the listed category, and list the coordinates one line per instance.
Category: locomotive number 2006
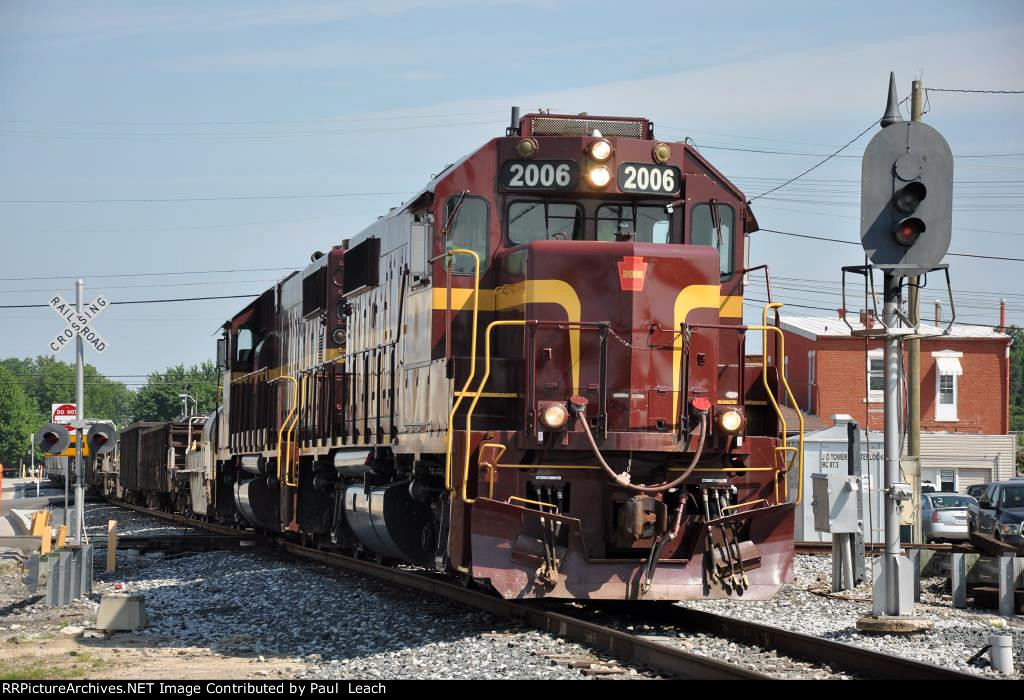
(539, 175)
(654, 179)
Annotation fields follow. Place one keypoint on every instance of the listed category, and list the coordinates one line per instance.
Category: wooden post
(111, 545)
(62, 532)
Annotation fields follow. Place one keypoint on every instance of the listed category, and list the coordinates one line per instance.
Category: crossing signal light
(53, 438)
(102, 438)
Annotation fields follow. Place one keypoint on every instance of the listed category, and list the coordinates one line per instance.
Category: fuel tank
(387, 521)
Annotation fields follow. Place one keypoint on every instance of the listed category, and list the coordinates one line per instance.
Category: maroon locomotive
(531, 374)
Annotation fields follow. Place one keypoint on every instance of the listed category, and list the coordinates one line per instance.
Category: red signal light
(908, 231)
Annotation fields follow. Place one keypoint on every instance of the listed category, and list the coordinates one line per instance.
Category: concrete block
(121, 611)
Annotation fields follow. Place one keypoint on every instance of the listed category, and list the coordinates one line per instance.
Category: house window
(947, 481)
(876, 375)
(947, 374)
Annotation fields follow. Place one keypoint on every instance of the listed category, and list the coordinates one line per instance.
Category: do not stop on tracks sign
(79, 324)
(63, 412)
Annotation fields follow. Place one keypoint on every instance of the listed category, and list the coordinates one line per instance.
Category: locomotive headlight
(601, 150)
(599, 176)
(338, 336)
(554, 416)
(730, 421)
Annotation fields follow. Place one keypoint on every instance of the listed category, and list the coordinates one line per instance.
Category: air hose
(623, 479)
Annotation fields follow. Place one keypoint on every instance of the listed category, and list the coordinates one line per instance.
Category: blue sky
(272, 102)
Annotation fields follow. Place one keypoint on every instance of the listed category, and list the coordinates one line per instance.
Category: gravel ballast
(804, 606)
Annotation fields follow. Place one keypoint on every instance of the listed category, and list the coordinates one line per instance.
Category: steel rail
(866, 662)
(826, 547)
(627, 647)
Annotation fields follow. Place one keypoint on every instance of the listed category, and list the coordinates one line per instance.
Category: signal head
(102, 438)
(53, 438)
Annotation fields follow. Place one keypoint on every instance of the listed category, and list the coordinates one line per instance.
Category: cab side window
(466, 219)
(713, 224)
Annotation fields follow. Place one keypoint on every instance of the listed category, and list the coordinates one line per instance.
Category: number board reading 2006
(539, 175)
(650, 179)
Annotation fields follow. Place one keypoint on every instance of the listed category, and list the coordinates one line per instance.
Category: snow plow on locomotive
(531, 374)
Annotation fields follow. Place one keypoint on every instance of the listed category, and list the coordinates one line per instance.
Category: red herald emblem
(632, 273)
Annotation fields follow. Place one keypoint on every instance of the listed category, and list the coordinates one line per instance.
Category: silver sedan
(944, 516)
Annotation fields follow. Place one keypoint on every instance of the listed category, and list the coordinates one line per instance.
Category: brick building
(965, 376)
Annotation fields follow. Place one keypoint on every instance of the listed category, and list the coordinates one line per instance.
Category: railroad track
(826, 547)
(565, 620)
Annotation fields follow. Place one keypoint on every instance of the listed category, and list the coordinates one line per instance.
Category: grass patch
(37, 669)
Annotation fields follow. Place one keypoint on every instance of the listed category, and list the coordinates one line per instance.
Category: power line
(752, 301)
(151, 274)
(252, 123)
(203, 199)
(139, 301)
(145, 286)
(819, 163)
(977, 92)
(838, 240)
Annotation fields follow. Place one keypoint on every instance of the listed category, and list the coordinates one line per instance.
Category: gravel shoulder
(807, 606)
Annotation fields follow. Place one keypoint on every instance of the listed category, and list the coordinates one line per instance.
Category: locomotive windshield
(544, 220)
(539, 221)
(647, 224)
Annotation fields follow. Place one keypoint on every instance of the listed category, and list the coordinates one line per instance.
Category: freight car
(530, 375)
(152, 461)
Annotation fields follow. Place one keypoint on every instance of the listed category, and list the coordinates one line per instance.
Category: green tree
(160, 398)
(1016, 378)
(47, 380)
(18, 418)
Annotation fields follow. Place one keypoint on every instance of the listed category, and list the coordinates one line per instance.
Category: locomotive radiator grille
(569, 126)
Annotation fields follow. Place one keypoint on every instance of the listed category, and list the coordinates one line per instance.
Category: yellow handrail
(493, 464)
(288, 418)
(476, 397)
(765, 328)
(290, 463)
(533, 503)
(449, 486)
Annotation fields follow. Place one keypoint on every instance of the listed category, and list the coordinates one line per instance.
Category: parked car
(944, 516)
(928, 487)
(976, 490)
(1000, 512)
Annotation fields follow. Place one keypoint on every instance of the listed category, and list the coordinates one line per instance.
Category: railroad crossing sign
(79, 324)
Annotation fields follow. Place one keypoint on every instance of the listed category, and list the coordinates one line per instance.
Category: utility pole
(914, 364)
(79, 433)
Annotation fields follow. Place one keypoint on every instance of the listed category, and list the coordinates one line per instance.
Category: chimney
(938, 312)
(842, 314)
(867, 318)
(1002, 316)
